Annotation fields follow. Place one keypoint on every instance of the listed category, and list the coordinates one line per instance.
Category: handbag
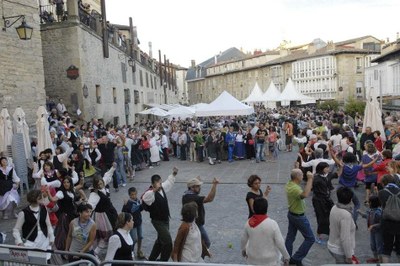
(251, 141)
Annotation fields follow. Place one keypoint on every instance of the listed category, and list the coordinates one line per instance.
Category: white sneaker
(124, 185)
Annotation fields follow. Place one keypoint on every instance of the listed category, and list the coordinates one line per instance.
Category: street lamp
(24, 30)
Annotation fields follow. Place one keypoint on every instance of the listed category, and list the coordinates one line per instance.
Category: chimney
(330, 46)
(215, 59)
(193, 63)
(150, 50)
(397, 36)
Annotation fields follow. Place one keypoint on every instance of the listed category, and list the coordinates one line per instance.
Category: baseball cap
(194, 182)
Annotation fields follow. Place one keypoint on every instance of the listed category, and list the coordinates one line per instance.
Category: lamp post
(24, 31)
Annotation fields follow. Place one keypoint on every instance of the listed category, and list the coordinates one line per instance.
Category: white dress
(154, 150)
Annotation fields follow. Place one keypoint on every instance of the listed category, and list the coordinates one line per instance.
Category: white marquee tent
(182, 112)
(255, 95)
(198, 105)
(154, 111)
(225, 105)
(271, 96)
(290, 93)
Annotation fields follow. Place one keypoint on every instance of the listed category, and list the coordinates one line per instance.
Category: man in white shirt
(61, 107)
(164, 145)
(156, 200)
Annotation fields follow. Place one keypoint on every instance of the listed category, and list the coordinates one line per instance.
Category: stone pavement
(227, 214)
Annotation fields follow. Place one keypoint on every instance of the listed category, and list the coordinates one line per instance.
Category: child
(134, 207)
(373, 216)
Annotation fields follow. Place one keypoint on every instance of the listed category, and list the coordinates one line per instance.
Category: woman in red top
(378, 141)
(381, 168)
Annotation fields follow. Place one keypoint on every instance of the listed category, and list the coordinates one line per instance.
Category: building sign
(72, 72)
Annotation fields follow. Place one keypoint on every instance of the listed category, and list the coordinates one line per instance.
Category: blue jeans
(204, 236)
(376, 240)
(299, 223)
(356, 203)
(136, 233)
(259, 152)
(120, 173)
(230, 152)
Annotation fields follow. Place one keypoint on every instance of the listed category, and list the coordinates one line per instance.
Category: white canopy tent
(290, 93)
(181, 112)
(225, 105)
(154, 111)
(255, 95)
(198, 105)
(373, 114)
(271, 96)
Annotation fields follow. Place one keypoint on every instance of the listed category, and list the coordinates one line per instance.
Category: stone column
(73, 10)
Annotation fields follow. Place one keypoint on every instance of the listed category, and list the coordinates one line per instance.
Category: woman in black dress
(321, 200)
(254, 182)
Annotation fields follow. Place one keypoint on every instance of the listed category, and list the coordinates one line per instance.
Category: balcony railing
(87, 19)
(48, 13)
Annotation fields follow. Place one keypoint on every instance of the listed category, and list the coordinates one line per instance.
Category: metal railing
(24, 256)
(87, 19)
(47, 13)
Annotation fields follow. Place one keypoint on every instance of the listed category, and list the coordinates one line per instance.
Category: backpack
(392, 208)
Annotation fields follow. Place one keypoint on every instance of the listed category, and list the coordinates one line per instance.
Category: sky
(186, 30)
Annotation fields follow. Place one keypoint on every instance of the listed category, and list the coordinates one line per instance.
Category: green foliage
(353, 106)
(329, 105)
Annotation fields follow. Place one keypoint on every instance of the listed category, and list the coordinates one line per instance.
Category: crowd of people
(70, 207)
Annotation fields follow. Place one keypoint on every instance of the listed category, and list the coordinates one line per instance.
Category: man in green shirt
(296, 215)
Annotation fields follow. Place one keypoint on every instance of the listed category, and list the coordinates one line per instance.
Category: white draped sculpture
(20, 126)
(43, 133)
(6, 132)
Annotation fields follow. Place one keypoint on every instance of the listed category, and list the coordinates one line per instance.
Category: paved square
(227, 214)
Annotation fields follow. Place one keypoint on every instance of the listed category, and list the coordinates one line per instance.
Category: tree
(329, 105)
(353, 106)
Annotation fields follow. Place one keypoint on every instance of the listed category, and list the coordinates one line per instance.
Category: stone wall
(71, 43)
(21, 72)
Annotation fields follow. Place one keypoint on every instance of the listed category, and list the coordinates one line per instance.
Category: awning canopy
(225, 105)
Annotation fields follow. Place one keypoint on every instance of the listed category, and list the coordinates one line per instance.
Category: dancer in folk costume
(104, 214)
(9, 183)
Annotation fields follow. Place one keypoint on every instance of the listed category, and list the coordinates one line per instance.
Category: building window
(123, 71)
(114, 92)
(155, 82)
(147, 80)
(141, 77)
(136, 96)
(151, 82)
(358, 64)
(98, 94)
(127, 95)
(134, 78)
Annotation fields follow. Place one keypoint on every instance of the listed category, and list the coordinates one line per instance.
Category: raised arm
(211, 195)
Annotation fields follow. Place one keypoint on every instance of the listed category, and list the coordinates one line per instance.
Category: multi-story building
(384, 75)
(320, 70)
(103, 75)
(21, 72)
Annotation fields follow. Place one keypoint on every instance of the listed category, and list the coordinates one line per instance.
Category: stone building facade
(321, 70)
(114, 89)
(21, 72)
